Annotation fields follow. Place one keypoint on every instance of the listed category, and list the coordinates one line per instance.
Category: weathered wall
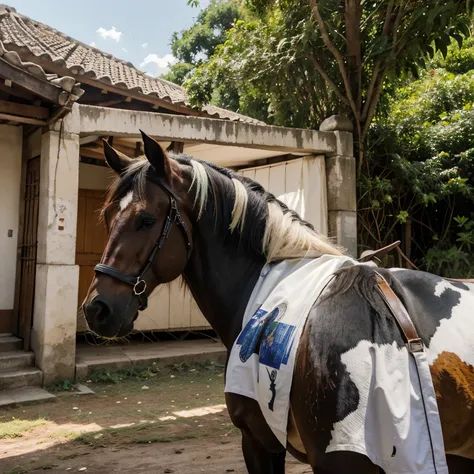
(10, 182)
(54, 319)
(94, 177)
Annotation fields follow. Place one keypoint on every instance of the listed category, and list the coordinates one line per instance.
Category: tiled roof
(31, 38)
(64, 84)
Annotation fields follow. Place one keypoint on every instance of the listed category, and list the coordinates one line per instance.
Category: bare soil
(139, 422)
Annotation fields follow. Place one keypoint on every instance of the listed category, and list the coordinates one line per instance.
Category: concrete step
(16, 360)
(5, 334)
(16, 378)
(24, 395)
(10, 343)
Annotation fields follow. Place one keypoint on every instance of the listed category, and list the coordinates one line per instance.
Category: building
(58, 99)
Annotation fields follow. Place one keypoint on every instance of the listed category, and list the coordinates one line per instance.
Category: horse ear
(156, 156)
(116, 160)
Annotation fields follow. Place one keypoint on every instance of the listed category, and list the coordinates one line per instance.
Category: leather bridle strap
(139, 282)
(412, 339)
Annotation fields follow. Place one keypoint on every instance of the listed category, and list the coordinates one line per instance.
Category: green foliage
(178, 72)
(435, 113)
(304, 59)
(197, 43)
(265, 64)
(420, 172)
(61, 386)
(459, 60)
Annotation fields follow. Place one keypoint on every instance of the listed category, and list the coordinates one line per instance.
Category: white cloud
(93, 44)
(144, 45)
(156, 65)
(113, 33)
(125, 50)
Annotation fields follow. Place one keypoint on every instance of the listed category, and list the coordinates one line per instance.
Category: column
(55, 308)
(341, 185)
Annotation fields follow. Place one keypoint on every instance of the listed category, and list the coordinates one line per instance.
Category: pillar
(341, 185)
(55, 308)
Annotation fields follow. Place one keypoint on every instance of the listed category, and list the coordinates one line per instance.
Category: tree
(419, 186)
(197, 43)
(345, 51)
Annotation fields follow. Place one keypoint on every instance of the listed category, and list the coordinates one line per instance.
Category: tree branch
(371, 88)
(371, 107)
(329, 81)
(352, 15)
(373, 104)
(337, 55)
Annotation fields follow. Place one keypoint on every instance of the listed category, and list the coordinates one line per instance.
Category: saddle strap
(461, 280)
(370, 255)
(412, 339)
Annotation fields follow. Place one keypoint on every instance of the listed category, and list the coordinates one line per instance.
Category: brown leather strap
(369, 255)
(413, 341)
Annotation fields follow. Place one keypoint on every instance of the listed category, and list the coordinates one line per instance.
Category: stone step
(5, 334)
(16, 378)
(10, 343)
(24, 395)
(16, 359)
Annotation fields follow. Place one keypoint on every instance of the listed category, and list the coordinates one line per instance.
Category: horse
(172, 215)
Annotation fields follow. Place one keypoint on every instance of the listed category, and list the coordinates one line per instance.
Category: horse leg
(459, 465)
(260, 461)
(262, 451)
(338, 462)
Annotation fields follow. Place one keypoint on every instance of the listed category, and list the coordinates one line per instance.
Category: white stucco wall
(10, 181)
(300, 184)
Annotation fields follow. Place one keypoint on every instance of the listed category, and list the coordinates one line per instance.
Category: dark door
(27, 252)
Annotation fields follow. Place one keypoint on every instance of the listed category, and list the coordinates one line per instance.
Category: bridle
(138, 282)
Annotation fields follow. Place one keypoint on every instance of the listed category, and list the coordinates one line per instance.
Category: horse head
(148, 216)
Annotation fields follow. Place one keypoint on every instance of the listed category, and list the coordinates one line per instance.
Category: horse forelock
(275, 231)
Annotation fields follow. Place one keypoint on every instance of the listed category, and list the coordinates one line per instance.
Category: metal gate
(27, 251)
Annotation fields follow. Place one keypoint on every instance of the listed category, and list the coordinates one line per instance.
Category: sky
(138, 31)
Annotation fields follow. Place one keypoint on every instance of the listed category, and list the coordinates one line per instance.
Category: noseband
(138, 282)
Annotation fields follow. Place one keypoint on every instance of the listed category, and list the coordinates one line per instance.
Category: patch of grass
(164, 439)
(16, 427)
(196, 367)
(116, 375)
(65, 457)
(63, 435)
(106, 435)
(18, 470)
(60, 386)
(146, 372)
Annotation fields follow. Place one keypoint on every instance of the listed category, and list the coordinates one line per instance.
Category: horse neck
(221, 277)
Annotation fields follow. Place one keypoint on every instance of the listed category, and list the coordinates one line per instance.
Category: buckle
(136, 288)
(415, 345)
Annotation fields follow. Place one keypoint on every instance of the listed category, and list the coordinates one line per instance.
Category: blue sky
(138, 31)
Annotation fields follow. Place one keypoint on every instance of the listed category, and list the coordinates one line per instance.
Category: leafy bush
(418, 186)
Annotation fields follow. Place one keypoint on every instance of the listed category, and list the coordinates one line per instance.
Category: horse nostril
(99, 311)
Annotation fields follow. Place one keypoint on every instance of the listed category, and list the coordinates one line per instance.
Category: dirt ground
(138, 421)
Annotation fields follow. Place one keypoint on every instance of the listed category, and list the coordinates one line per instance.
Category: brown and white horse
(172, 216)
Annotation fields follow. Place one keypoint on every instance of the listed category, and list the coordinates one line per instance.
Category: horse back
(352, 315)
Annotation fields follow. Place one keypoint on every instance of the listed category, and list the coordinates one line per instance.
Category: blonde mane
(286, 235)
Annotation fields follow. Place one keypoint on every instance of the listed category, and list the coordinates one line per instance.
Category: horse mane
(274, 231)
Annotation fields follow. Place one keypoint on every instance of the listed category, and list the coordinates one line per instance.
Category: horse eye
(147, 222)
